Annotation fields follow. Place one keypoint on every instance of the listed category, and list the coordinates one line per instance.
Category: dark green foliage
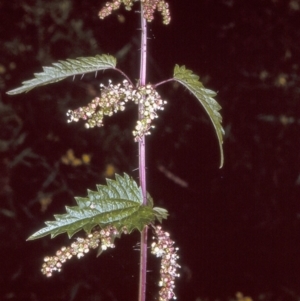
(191, 81)
(63, 69)
(119, 204)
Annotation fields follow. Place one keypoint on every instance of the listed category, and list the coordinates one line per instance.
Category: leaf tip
(12, 92)
(222, 162)
(31, 237)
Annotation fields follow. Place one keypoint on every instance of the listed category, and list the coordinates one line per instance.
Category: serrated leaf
(191, 81)
(63, 69)
(119, 203)
(160, 213)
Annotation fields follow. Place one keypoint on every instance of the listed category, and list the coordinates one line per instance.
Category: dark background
(237, 227)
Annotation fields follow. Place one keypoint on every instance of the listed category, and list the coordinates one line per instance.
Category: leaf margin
(205, 96)
(65, 68)
(136, 216)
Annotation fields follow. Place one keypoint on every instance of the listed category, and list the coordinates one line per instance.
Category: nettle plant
(122, 206)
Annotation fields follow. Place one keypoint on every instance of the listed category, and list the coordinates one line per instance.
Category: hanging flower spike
(164, 247)
(149, 7)
(79, 248)
(114, 5)
(112, 100)
(163, 7)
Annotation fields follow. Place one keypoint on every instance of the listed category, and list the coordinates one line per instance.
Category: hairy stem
(120, 71)
(142, 161)
(163, 82)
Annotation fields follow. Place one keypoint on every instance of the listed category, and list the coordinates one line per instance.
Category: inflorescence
(149, 7)
(164, 247)
(104, 237)
(113, 99)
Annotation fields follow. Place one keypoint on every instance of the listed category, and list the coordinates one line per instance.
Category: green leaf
(191, 81)
(160, 213)
(119, 203)
(63, 69)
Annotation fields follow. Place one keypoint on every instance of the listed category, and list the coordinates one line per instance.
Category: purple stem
(120, 71)
(163, 82)
(142, 161)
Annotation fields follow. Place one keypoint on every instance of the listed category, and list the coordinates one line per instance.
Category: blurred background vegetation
(237, 228)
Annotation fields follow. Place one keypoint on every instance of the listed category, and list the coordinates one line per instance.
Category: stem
(142, 161)
(120, 71)
(163, 82)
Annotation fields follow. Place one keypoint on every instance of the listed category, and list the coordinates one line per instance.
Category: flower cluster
(113, 99)
(151, 5)
(149, 8)
(163, 247)
(105, 237)
(114, 5)
(152, 102)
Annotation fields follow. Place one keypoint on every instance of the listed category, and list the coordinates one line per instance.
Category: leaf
(160, 213)
(63, 69)
(191, 81)
(119, 203)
